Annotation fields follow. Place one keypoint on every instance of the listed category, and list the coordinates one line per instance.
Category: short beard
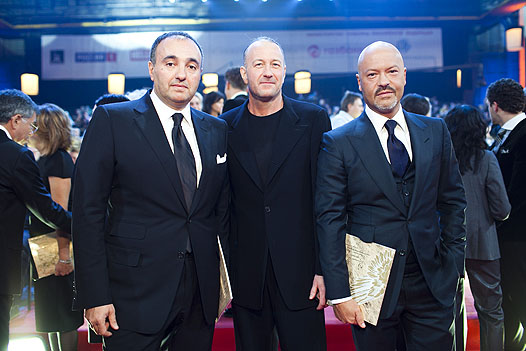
(386, 109)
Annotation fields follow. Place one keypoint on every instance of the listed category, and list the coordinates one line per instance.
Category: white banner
(318, 51)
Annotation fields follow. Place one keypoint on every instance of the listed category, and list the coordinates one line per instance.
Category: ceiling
(55, 15)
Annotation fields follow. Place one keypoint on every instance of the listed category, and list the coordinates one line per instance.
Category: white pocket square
(220, 159)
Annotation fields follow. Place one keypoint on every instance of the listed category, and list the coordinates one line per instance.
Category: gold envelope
(44, 250)
(369, 266)
(225, 289)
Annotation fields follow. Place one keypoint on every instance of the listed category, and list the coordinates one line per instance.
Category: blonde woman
(54, 294)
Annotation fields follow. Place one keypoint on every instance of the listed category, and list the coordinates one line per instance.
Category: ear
(405, 74)
(150, 70)
(243, 72)
(358, 80)
(494, 106)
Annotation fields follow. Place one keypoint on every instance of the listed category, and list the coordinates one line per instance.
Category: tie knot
(501, 132)
(177, 117)
(390, 125)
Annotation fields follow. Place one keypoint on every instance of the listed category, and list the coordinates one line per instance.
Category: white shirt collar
(6, 131)
(166, 112)
(512, 123)
(378, 120)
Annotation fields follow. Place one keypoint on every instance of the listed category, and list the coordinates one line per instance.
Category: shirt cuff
(337, 301)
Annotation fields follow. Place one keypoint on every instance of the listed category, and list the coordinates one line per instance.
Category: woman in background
(213, 103)
(54, 294)
(487, 202)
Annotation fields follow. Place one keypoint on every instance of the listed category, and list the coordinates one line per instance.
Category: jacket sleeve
(322, 124)
(499, 205)
(330, 204)
(91, 190)
(30, 188)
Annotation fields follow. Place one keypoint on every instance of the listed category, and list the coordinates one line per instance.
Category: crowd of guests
(284, 268)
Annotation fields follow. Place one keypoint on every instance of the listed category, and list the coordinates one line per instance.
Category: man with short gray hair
(21, 188)
(273, 148)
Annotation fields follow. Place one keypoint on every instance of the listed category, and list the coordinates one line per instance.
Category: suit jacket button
(180, 255)
(267, 209)
(402, 252)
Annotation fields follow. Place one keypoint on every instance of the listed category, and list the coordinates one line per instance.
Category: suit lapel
(288, 134)
(365, 141)
(420, 136)
(508, 142)
(202, 132)
(239, 146)
(148, 122)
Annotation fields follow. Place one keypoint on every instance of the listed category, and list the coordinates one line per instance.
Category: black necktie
(498, 140)
(185, 160)
(397, 152)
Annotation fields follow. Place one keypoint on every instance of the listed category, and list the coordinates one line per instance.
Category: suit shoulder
(229, 116)
(119, 106)
(215, 121)
(344, 130)
(303, 106)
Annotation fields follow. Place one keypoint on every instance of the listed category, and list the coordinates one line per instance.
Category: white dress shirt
(401, 132)
(340, 119)
(165, 114)
(512, 123)
(6, 131)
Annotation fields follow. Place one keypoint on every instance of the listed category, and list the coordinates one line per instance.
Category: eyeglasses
(34, 127)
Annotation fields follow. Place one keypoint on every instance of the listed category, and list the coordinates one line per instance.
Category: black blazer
(130, 221)
(275, 218)
(21, 188)
(235, 102)
(512, 160)
(356, 193)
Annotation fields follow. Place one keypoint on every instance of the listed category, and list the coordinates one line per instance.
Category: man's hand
(349, 312)
(62, 269)
(318, 286)
(100, 318)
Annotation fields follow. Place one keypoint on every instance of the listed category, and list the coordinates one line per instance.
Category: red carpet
(339, 336)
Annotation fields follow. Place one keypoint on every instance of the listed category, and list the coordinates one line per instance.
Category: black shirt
(261, 134)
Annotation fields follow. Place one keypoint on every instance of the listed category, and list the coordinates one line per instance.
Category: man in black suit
(391, 177)
(273, 145)
(235, 89)
(150, 197)
(505, 99)
(21, 188)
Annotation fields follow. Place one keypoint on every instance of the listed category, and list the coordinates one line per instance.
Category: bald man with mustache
(391, 177)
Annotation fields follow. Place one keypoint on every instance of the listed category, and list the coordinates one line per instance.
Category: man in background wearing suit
(505, 99)
(21, 189)
(391, 177)
(235, 89)
(150, 197)
(273, 146)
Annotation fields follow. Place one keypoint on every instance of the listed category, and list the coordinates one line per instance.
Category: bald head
(381, 77)
(377, 46)
(262, 41)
